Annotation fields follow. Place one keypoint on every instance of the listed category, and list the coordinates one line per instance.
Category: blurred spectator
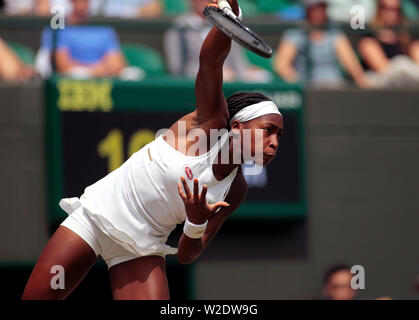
(182, 45)
(340, 10)
(337, 284)
(127, 8)
(35, 7)
(313, 56)
(388, 53)
(82, 51)
(11, 67)
(15, 7)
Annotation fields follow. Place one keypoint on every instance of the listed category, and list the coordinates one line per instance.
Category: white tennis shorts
(110, 251)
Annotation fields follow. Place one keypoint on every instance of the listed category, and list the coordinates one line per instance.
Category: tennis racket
(225, 20)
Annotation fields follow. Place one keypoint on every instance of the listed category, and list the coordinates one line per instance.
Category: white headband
(255, 111)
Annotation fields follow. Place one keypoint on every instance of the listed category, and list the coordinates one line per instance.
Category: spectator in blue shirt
(82, 51)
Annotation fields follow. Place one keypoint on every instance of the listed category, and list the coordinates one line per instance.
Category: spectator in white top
(182, 45)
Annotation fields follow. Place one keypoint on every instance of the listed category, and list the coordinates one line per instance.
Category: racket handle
(225, 6)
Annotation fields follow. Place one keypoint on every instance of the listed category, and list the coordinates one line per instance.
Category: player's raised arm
(210, 99)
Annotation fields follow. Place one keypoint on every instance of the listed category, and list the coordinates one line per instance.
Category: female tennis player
(127, 216)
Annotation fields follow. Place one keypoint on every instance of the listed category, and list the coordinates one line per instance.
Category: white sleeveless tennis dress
(131, 211)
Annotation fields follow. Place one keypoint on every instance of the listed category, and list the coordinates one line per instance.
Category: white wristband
(194, 231)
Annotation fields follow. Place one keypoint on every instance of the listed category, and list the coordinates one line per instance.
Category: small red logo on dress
(189, 173)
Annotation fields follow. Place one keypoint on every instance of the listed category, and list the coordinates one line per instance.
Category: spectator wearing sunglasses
(388, 52)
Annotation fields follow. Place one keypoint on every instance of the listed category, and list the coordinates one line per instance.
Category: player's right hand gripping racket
(225, 20)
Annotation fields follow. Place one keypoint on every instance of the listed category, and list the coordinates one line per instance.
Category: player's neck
(222, 170)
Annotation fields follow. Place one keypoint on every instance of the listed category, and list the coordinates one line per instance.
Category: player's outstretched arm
(210, 100)
(199, 211)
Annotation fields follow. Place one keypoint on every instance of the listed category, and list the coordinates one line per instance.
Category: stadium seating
(175, 7)
(144, 57)
(259, 61)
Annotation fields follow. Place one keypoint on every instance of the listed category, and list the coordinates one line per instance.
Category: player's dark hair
(240, 100)
(335, 269)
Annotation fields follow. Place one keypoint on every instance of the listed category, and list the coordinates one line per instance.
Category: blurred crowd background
(332, 43)
(362, 128)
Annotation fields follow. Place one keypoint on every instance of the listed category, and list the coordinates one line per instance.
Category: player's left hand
(197, 208)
